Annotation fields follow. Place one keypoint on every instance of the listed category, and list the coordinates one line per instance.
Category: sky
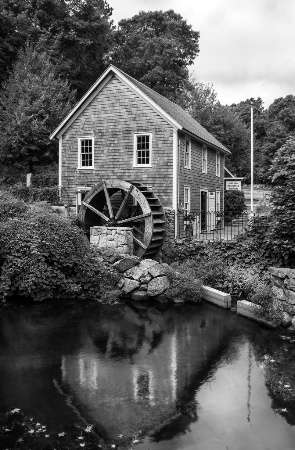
(247, 47)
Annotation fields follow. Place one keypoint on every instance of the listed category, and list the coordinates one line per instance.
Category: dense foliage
(156, 48)
(76, 33)
(234, 202)
(31, 194)
(45, 256)
(32, 103)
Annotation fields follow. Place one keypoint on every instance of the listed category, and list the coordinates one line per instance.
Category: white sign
(235, 185)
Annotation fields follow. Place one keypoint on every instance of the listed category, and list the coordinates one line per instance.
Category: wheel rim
(121, 203)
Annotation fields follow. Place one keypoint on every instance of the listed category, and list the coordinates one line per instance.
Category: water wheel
(126, 204)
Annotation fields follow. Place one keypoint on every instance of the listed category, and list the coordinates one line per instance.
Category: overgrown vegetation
(184, 285)
(46, 256)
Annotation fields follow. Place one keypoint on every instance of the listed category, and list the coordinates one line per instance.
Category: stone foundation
(120, 239)
(283, 288)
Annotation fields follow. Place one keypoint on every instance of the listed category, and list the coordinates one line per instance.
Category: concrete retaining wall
(251, 311)
(217, 297)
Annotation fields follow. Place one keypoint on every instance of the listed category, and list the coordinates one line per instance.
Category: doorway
(204, 201)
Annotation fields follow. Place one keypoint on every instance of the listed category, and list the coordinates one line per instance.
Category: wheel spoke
(106, 192)
(138, 231)
(134, 219)
(100, 214)
(139, 243)
(123, 204)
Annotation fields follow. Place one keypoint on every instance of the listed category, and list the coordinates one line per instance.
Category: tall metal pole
(252, 161)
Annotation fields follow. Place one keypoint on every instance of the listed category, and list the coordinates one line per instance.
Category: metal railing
(210, 225)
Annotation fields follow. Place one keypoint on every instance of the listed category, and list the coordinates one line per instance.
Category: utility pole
(252, 161)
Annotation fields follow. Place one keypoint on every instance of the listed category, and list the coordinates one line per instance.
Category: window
(204, 159)
(85, 149)
(187, 199)
(217, 164)
(217, 207)
(187, 154)
(142, 150)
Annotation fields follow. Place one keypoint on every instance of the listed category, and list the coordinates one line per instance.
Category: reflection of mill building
(125, 383)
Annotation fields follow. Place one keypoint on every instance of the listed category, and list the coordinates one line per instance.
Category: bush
(32, 194)
(183, 284)
(46, 257)
(11, 207)
(234, 203)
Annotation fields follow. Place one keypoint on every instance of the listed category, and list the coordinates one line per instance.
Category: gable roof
(173, 113)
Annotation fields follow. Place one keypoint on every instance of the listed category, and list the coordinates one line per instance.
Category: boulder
(129, 286)
(147, 263)
(135, 272)
(159, 270)
(126, 263)
(157, 286)
(291, 297)
(286, 319)
(120, 283)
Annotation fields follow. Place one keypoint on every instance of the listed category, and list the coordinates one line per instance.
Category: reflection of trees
(121, 331)
(277, 357)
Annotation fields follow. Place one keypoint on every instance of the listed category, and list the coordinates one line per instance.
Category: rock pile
(145, 279)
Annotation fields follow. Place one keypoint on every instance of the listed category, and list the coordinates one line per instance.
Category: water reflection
(195, 373)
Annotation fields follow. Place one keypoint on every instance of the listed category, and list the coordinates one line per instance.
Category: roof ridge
(165, 98)
(151, 93)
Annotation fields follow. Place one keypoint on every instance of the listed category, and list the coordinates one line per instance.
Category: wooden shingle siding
(112, 117)
(194, 177)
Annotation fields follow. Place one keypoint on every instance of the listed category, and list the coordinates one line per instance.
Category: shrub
(46, 257)
(11, 207)
(263, 297)
(183, 284)
(234, 202)
(32, 194)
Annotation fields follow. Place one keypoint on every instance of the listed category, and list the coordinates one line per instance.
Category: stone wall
(120, 239)
(283, 281)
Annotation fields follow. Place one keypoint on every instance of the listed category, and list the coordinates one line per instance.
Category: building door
(203, 210)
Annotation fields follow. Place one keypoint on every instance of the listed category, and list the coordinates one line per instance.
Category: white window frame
(187, 189)
(217, 201)
(218, 161)
(204, 159)
(80, 139)
(135, 150)
(187, 153)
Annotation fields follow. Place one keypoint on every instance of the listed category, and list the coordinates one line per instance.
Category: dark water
(184, 377)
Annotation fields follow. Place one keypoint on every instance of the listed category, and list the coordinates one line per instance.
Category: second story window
(142, 150)
(204, 159)
(187, 154)
(217, 164)
(85, 153)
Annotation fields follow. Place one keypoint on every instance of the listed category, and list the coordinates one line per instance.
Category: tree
(279, 126)
(156, 48)
(199, 100)
(77, 32)
(32, 103)
(229, 129)
(282, 172)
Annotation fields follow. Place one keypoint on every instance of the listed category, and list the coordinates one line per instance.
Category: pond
(169, 377)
